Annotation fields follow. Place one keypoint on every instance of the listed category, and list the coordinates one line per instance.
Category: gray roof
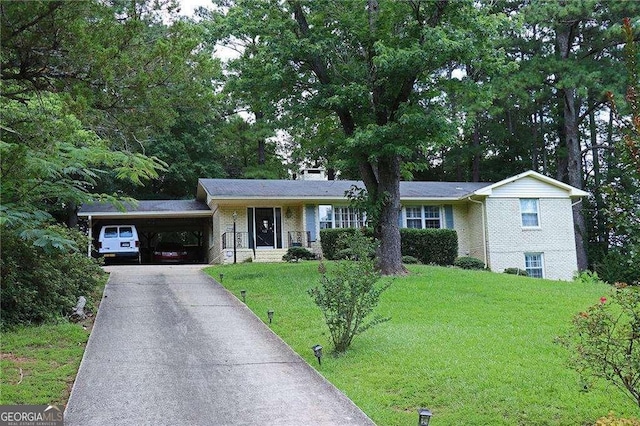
(145, 206)
(250, 188)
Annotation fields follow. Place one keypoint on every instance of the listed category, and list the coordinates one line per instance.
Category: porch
(264, 247)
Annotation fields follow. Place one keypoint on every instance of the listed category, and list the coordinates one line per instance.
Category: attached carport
(153, 218)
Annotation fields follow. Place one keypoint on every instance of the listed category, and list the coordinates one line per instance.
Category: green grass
(39, 364)
(474, 347)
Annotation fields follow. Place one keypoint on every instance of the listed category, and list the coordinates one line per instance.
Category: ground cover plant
(474, 347)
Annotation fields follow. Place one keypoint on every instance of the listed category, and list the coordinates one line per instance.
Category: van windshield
(126, 232)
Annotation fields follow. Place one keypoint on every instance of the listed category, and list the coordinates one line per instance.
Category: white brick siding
(507, 240)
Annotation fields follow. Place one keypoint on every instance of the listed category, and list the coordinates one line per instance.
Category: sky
(188, 6)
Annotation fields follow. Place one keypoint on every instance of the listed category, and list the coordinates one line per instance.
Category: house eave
(151, 214)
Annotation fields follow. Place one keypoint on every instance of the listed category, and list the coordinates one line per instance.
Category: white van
(119, 241)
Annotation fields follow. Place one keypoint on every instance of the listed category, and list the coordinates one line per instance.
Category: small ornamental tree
(350, 293)
(605, 341)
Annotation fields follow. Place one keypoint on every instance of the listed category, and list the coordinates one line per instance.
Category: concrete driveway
(170, 346)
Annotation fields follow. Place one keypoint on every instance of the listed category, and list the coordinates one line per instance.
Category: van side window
(111, 232)
(126, 232)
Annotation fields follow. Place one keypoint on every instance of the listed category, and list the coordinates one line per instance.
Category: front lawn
(474, 347)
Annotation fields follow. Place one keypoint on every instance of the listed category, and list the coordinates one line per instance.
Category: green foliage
(605, 341)
(619, 265)
(430, 246)
(330, 241)
(410, 260)
(295, 254)
(467, 262)
(370, 75)
(349, 293)
(40, 284)
(516, 271)
(588, 277)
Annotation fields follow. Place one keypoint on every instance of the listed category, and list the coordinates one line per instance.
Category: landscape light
(221, 277)
(243, 293)
(424, 416)
(270, 315)
(317, 351)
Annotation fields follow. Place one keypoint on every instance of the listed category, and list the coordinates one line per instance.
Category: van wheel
(139, 259)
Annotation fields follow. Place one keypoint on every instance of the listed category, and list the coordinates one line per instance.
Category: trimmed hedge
(429, 246)
(467, 262)
(295, 254)
(516, 271)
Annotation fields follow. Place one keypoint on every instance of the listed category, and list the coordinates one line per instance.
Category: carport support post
(90, 237)
(235, 216)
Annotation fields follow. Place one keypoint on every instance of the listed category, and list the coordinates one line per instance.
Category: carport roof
(148, 208)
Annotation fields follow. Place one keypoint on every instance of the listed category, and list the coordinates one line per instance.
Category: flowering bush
(605, 340)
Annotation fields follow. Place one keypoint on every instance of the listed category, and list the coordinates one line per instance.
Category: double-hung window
(529, 212)
(421, 217)
(414, 217)
(340, 217)
(534, 265)
(432, 217)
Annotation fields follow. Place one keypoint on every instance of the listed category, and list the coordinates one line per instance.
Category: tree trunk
(572, 142)
(388, 231)
(475, 160)
(601, 231)
(262, 158)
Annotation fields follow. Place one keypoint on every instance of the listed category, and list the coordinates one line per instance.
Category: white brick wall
(507, 240)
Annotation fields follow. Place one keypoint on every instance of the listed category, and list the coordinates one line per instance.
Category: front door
(265, 227)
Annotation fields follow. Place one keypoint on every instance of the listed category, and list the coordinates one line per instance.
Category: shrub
(588, 277)
(41, 285)
(410, 260)
(516, 271)
(605, 342)
(430, 246)
(617, 266)
(468, 262)
(349, 294)
(329, 241)
(295, 254)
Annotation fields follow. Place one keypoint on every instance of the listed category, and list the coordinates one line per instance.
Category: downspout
(484, 232)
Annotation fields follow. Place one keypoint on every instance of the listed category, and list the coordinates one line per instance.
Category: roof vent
(312, 174)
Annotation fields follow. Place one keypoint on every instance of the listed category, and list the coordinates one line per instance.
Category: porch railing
(244, 240)
(299, 239)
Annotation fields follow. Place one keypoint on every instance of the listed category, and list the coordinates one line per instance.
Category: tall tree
(84, 85)
(377, 68)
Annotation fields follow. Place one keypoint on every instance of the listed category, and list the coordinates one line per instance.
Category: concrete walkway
(170, 346)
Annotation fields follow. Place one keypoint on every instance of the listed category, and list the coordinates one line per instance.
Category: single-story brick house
(524, 221)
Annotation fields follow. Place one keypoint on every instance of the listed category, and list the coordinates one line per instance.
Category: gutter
(484, 231)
